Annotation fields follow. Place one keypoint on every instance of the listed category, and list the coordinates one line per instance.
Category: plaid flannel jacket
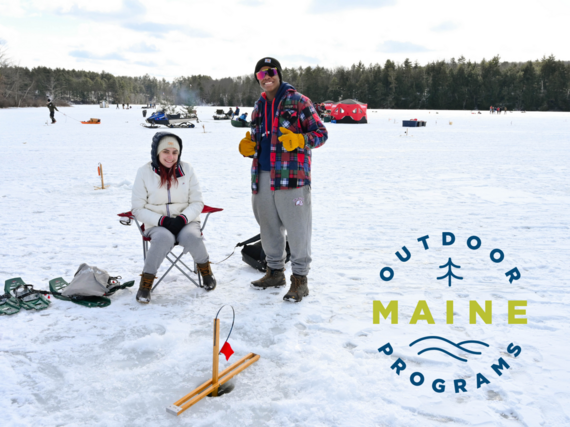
(288, 169)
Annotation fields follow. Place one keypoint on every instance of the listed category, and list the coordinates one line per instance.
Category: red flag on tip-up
(227, 350)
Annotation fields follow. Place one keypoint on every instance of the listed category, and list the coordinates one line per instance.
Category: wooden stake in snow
(100, 172)
(218, 378)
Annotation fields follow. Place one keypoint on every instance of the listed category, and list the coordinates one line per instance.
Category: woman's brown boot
(208, 278)
(143, 295)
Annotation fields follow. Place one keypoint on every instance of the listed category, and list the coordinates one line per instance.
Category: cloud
(83, 54)
(130, 16)
(252, 3)
(331, 6)
(445, 26)
(391, 46)
(143, 48)
(295, 59)
(146, 64)
(159, 30)
(129, 8)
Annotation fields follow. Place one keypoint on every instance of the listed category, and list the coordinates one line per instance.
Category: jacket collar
(284, 88)
(178, 171)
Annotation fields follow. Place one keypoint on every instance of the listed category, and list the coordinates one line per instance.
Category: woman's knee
(189, 235)
(162, 237)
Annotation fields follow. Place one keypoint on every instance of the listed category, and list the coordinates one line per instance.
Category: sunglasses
(261, 74)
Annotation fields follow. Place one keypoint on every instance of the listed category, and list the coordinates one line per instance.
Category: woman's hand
(174, 225)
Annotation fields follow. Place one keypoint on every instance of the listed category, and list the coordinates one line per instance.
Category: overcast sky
(222, 38)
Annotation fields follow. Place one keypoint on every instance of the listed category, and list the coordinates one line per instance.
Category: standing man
(52, 110)
(284, 129)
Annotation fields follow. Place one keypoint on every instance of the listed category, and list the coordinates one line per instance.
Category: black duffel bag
(253, 254)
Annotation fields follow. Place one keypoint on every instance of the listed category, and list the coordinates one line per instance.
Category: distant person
(230, 112)
(236, 114)
(491, 109)
(243, 118)
(52, 109)
(498, 110)
(505, 110)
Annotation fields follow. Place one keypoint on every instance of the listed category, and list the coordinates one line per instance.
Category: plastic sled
(56, 286)
(27, 296)
(92, 122)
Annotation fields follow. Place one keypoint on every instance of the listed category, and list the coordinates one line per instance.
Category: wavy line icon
(458, 345)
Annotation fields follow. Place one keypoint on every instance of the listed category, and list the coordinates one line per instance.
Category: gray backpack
(90, 281)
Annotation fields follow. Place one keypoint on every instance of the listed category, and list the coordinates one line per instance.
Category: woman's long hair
(167, 176)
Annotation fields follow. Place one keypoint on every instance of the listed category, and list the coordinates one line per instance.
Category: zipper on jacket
(169, 202)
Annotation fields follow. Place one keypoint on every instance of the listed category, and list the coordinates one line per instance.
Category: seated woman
(167, 199)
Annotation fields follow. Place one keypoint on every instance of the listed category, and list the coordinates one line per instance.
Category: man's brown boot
(272, 279)
(143, 295)
(208, 278)
(298, 289)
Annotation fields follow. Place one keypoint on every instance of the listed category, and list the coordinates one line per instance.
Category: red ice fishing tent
(349, 111)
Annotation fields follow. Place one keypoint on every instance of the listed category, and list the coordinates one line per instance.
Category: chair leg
(168, 271)
(174, 264)
(199, 275)
(195, 271)
(182, 271)
(205, 221)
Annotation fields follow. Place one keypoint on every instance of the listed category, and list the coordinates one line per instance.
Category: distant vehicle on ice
(178, 120)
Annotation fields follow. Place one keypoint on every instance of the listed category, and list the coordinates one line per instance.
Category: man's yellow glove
(247, 146)
(290, 140)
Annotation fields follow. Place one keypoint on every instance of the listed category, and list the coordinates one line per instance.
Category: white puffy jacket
(151, 202)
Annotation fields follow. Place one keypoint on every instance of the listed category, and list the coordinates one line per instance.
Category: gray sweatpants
(283, 211)
(162, 241)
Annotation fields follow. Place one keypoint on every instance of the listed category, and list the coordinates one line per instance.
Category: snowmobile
(170, 120)
(220, 115)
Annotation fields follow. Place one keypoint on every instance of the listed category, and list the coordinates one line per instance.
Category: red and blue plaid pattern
(289, 169)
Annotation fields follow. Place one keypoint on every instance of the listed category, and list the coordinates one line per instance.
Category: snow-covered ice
(502, 178)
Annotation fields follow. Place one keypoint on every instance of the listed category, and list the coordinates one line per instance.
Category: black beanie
(268, 62)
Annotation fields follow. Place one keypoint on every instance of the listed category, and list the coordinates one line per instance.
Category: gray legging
(162, 241)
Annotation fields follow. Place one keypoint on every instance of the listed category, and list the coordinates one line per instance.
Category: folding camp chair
(128, 217)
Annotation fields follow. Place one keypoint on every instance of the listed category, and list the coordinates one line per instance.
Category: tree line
(542, 85)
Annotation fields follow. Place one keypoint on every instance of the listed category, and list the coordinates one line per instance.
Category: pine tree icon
(449, 272)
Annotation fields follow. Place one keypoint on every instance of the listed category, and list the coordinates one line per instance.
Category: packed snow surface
(502, 178)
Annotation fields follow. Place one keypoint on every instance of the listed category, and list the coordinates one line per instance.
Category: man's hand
(247, 146)
(290, 140)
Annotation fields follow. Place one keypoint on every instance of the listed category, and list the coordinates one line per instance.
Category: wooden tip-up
(218, 378)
